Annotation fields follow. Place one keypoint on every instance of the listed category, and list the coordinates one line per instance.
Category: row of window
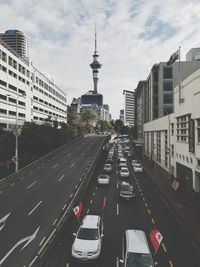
(14, 75)
(48, 112)
(189, 160)
(13, 100)
(12, 113)
(12, 87)
(50, 96)
(48, 104)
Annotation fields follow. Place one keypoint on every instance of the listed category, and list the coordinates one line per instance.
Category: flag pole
(179, 74)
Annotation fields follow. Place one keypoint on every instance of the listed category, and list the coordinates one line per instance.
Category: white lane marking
(117, 185)
(61, 178)
(12, 184)
(27, 239)
(30, 172)
(72, 165)
(117, 262)
(69, 154)
(3, 220)
(117, 209)
(22, 178)
(55, 166)
(34, 208)
(31, 184)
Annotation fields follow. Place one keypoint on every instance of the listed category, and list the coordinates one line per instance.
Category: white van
(135, 250)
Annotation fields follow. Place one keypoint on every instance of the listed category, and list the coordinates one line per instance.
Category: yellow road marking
(171, 264)
(144, 199)
(94, 194)
(64, 206)
(55, 221)
(67, 265)
(164, 247)
(88, 211)
(152, 220)
(142, 194)
(146, 204)
(149, 211)
(76, 186)
(71, 195)
(40, 244)
(91, 201)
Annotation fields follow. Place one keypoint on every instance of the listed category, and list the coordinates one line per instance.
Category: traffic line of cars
(88, 240)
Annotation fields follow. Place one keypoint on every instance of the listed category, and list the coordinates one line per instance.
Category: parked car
(103, 179)
(135, 250)
(107, 167)
(137, 167)
(124, 172)
(88, 240)
(127, 191)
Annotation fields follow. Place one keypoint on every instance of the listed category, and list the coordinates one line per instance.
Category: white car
(103, 179)
(133, 162)
(124, 172)
(107, 167)
(88, 240)
(137, 167)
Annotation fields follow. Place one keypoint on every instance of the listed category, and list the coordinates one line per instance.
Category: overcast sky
(132, 36)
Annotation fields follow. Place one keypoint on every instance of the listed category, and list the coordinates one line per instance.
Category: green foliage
(118, 125)
(88, 117)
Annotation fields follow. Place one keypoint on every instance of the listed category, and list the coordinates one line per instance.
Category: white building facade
(129, 108)
(27, 93)
(173, 141)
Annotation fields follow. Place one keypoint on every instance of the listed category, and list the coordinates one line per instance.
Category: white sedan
(137, 167)
(107, 167)
(103, 179)
(124, 172)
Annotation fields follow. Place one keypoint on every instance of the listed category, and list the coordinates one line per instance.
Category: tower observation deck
(95, 65)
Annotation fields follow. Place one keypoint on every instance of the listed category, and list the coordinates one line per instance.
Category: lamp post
(16, 132)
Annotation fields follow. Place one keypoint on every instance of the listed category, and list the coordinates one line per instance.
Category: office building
(172, 141)
(129, 108)
(17, 41)
(26, 94)
(121, 115)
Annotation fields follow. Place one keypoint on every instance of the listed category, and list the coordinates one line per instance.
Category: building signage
(191, 136)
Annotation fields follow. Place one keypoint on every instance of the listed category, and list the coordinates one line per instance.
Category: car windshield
(107, 166)
(127, 187)
(88, 234)
(124, 170)
(102, 176)
(139, 260)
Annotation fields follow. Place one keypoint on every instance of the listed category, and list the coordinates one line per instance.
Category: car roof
(137, 242)
(124, 169)
(90, 221)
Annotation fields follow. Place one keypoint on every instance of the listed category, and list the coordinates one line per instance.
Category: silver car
(103, 179)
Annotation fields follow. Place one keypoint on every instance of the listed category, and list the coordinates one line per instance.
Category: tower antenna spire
(95, 39)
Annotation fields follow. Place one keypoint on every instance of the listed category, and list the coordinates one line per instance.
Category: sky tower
(95, 65)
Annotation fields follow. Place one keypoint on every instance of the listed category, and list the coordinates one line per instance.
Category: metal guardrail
(36, 262)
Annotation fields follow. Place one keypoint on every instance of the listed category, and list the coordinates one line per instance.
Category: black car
(126, 191)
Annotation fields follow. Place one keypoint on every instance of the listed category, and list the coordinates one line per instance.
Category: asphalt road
(32, 202)
(148, 210)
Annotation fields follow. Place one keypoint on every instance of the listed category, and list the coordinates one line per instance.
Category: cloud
(132, 36)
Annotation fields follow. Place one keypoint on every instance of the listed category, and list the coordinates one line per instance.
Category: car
(137, 167)
(109, 160)
(126, 191)
(88, 240)
(133, 162)
(107, 167)
(103, 179)
(124, 172)
(129, 154)
(135, 250)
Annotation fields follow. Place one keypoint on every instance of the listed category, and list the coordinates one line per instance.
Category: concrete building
(26, 94)
(129, 108)
(193, 54)
(121, 115)
(17, 41)
(173, 141)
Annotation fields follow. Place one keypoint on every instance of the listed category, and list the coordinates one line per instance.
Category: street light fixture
(16, 132)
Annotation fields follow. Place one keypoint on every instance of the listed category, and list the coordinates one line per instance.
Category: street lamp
(16, 132)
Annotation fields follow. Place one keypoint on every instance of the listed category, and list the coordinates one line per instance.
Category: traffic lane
(177, 243)
(35, 206)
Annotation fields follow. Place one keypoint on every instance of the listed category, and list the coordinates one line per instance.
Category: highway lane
(147, 211)
(38, 199)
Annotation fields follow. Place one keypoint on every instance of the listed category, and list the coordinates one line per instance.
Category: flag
(173, 57)
(78, 210)
(156, 238)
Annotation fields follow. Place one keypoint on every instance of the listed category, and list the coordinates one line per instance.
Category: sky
(132, 35)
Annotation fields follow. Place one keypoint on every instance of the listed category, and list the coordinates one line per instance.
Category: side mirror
(121, 261)
(74, 234)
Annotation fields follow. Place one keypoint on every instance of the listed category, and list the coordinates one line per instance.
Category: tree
(118, 125)
(88, 116)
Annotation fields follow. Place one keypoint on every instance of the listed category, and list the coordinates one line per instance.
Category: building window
(198, 130)
(4, 57)
(172, 129)
(4, 69)
(21, 92)
(13, 113)
(168, 99)
(167, 72)
(12, 87)
(12, 100)
(3, 97)
(21, 103)
(198, 162)
(22, 115)
(3, 83)
(183, 128)
(3, 111)
(168, 86)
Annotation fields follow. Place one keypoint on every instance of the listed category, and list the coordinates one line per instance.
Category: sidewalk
(187, 209)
